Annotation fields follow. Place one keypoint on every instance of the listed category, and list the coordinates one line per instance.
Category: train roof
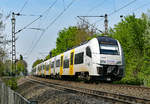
(106, 40)
(101, 40)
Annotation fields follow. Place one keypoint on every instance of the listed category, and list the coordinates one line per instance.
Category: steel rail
(106, 95)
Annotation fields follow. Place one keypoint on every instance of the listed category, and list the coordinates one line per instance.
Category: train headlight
(102, 61)
(119, 62)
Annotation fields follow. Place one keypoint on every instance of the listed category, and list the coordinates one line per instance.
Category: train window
(109, 49)
(40, 68)
(88, 52)
(47, 67)
(71, 59)
(79, 58)
(57, 63)
(66, 63)
(61, 61)
(43, 67)
(52, 65)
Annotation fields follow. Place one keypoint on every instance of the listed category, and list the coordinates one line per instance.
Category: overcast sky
(28, 38)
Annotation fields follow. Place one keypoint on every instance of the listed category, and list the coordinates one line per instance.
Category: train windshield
(108, 45)
(109, 49)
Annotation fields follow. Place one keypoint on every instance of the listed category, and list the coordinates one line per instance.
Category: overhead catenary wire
(60, 14)
(28, 24)
(23, 6)
(114, 5)
(101, 3)
(50, 25)
(49, 7)
(34, 15)
(90, 24)
(64, 4)
(141, 6)
(43, 13)
(115, 11)
(48, 10)
(43, 32)
(33, 38)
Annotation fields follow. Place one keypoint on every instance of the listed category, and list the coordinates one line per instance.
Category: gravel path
(48, 95)
(136, 91)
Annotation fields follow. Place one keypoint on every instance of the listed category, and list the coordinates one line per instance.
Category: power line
(114, 5)
(122, 7)
(141, 6)
(115, 11)
(60, 14)
(28, 24)
(33, 15)
(101, 3)
(51, 25)
(90, 24)
(64, 4)
(23, 6)
(33, 38)
(49, 7)
(46, 11)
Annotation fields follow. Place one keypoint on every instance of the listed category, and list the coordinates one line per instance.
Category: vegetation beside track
(6, 73)
(134, 35)
(11, 82)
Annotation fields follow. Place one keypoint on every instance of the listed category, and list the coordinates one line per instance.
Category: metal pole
(89, 23)
(106, 24)
(13, 43)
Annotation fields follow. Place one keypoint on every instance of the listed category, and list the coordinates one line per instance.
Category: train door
(71, 71)
(52, 66)
(88, 59)
(49, 72)
(61, 64)
(40, 70)
(45, 69)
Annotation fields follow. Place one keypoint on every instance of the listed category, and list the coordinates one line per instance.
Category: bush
(12, 83)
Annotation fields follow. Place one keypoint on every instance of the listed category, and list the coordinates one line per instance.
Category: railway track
(113, 97)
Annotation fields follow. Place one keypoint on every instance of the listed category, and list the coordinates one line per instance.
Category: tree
(2, 51)
(72, 36)
(21, 57)
(66, 39)
(1, 68)
(21, 66)
(7, 68)
(131, 34)
(37, 62)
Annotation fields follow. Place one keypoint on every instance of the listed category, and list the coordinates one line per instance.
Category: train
(100, 58)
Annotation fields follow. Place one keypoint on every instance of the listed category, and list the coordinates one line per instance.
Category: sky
(29, 43)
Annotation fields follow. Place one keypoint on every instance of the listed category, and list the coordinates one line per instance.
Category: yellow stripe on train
(61, 64)
(71, 71)
(49, 72)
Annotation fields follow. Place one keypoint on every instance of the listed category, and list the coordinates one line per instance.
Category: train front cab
(107, 59)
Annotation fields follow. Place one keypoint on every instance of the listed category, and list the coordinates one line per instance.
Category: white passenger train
(100, 58)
